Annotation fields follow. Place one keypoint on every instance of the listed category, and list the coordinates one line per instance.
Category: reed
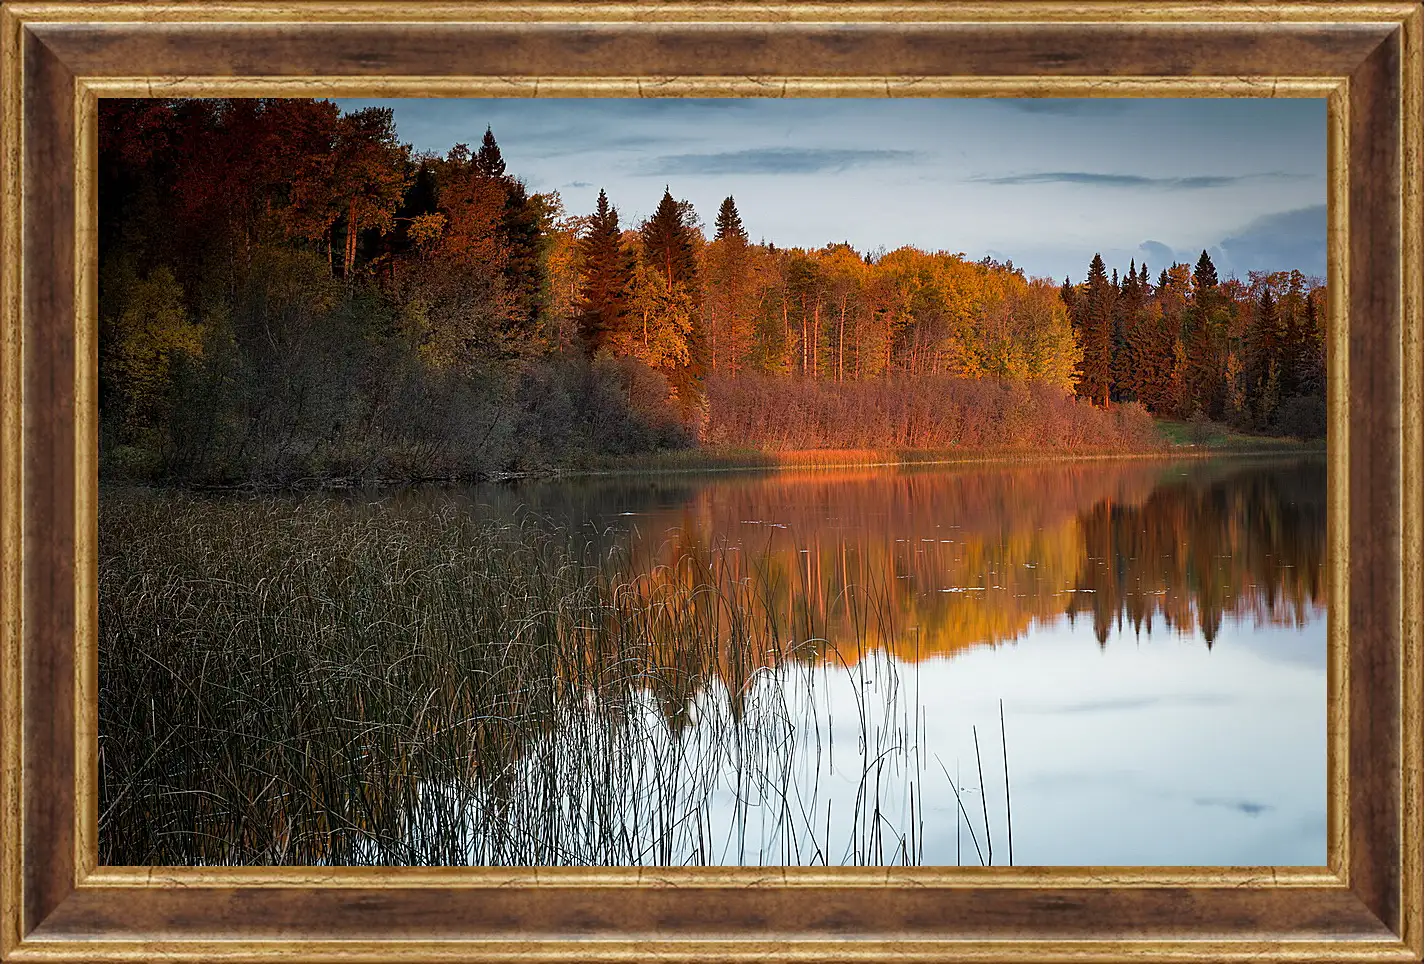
(311, 680)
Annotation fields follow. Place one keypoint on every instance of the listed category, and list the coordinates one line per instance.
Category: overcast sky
(1042, 182)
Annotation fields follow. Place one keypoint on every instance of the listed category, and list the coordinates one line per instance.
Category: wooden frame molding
(57, 58)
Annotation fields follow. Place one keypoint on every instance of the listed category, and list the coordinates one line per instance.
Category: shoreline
(714, 460)
(776, 462)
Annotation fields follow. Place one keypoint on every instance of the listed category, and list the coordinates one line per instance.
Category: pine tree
(1094, 323)
(729, 222)
(1311, 379)
(1293, 349)
(607, 271)
(522, 234)
(1206, 348)
(668, 244)
(668, 249)
(727, 291)
(1127, 306)
(1152, 348)
(1204, 276)
(1264, 360)
(488, 161)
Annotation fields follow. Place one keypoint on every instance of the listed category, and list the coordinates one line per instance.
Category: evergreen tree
(1094, 323)
(729, 222)
(1152, 349)
(1204, 276)
(607, 271)
(1206, 344)
(1311, 377)
(524, 272)
(488, 161)
(1264, 361)
(1127, 306)
(1294, 351)
(668, 250)
(668, 243)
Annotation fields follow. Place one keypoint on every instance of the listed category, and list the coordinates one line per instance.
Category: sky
(1045, 183)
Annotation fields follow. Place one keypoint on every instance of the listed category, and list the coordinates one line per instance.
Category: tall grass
(311, 681)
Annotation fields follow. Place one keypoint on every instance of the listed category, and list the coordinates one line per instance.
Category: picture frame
(58, 58)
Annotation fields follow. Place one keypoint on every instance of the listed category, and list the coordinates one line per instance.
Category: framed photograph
(542, 481)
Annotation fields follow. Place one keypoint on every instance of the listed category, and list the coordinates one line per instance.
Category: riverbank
(1179, 440)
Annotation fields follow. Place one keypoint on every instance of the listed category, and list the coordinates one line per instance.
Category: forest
(287, 292)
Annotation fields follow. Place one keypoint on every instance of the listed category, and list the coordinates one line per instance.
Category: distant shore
(721, 459)
(1180, 440)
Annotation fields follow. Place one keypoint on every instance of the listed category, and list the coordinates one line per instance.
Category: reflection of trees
(930, 563)
(1207, 546)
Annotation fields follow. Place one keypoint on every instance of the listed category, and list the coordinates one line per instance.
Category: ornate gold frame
(56, 58)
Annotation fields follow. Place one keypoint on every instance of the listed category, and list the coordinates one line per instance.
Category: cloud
(1095, 179)
(1160, 254)
(1279, 242)
(579, 184)
(772, 160)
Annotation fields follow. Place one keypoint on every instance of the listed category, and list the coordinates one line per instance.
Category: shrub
(1303, 417)
(927, 412)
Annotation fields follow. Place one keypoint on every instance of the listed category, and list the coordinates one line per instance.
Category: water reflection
(977, 556)
(975, 585)
(785, 668)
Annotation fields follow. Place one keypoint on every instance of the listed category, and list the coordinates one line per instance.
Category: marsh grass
(320, 681)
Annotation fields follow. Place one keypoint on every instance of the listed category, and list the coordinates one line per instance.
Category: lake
(1083, 663)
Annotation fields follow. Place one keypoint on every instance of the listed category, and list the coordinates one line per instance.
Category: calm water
(1140, 647)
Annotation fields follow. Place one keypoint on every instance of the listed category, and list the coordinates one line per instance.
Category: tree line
(1193, 346)
(289, 290)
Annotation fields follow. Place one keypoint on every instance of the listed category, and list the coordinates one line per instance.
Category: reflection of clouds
(1250, 807)
(1129, 703)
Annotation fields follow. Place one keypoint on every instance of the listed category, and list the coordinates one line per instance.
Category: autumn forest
(409, 552)
(288, 291)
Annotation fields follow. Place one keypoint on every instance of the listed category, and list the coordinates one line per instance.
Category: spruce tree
(1206, 348)
(488, 161)
(607, 270)
(1094, 311)
(1204, 276)
(1127, 305)
(1311, 378)
(668, 249)
(522, 235)
(729, 222)
(1264, 360)
(1153, 347)
(1293, 349)
(668, 243)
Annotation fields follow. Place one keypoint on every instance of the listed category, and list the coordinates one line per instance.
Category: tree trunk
(816, 340)
(841, 346)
